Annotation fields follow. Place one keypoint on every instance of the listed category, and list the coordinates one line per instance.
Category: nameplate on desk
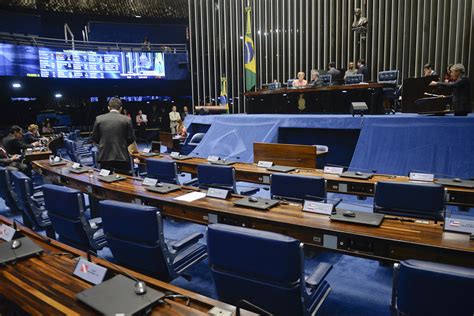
(264, 164)
(146, 150)
(217, 193)
(104, 172)
(174, 154)
(333, 170)
(89, 271)
(318, 207)
(6, 232)
(213, 158)
(418, 176)
(76, 165)
(150, 182)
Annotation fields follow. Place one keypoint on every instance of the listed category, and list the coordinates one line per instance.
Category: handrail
(67, 30)
(88, 45)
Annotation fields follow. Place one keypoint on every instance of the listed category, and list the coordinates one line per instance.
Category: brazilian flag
(249, 55)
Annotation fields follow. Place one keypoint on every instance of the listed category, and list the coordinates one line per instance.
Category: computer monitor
(354, 79)
(326, 79)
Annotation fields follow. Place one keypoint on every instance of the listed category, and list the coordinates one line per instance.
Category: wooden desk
(168, 140)
(393, 240)
(286, 154)
(251, 173)
(37, 155)
(44, 285)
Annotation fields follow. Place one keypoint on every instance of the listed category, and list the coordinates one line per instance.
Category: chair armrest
(95, 222)
(191, 182)
(318, 275)
(187, 241)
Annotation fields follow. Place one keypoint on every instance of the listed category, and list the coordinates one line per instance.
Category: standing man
(350, 70)
(142, 121)
(174, 118)
(185, 113)
(113, 132)
(362, 69)
(335, 74)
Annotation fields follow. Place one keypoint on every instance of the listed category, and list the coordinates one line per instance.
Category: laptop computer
(260, 204)
(222, 162)
(150, 154)
(27, 248)
(79, 170)
(111, 178)
(116, 296)
(164, 188)
(363, 218)
(453, 183)
(283, 169)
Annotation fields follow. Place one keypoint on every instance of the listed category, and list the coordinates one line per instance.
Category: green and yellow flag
(249, 55)
(223, 97)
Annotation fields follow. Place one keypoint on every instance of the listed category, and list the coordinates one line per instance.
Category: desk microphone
(140, 286)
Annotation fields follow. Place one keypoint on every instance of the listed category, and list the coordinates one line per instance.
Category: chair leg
(393, 303)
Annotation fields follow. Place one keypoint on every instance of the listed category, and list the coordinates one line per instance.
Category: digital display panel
(20, 60)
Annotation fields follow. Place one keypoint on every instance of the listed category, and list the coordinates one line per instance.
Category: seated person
(181, 129)
(32, 135)
(351, 71)
(12, 161)
(428, 70)
(301, 82)
(14, 143)
(315, 78)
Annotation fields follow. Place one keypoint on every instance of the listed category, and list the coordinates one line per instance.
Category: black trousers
(122, 167)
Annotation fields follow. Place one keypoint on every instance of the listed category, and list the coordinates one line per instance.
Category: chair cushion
(215, 175)
(62, 200)
(297, 187)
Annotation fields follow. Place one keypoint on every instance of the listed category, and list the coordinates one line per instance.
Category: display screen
(17, 60)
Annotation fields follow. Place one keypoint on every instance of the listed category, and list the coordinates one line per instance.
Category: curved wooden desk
(394, 240)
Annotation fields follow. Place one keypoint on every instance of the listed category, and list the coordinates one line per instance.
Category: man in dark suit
(335, 74)
(14, 143)
(363, 70)
(113, 133)
(461, 103)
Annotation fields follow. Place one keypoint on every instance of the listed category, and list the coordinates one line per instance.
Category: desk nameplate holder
(89, 271)
(213, 158)
(150, 182)
(318, 207)
(424, 177)
(7, 232)
(217, 193)
(104, 172)
(176, 155)
(264, 164)
(333, 170)
(77, 168)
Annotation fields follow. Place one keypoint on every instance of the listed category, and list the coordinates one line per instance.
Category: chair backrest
(389, 76)
(134, 234)
(22, 187)
(196, 138)
(297, 187)
(5, 187)
(354, 79)
(66, 208)
(410, 199)
(427, 288)
(240, 259)
(165, 171)
(216, 176)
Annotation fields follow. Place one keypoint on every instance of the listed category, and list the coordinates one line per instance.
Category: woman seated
(32, 135)
(181, 129)
(301, 82)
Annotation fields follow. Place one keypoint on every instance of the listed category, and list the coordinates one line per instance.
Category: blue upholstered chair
(6, 188)
(354, 79)
(196, 139)
(66, 209)
(426, 201)
(391, 91)
(295, 187)
(265, 269)
(32, 207)
(135, 236)
(428, 288)
(164, 171)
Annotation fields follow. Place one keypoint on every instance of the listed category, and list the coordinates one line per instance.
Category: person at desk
(461, 90)
(301, 82)
(174, 118)
(363, 70)
(14, 143)
(335, 74)
(315, 81)
(351, 71)
(32, 135)
(428, 70)
(181, 130)
(12, 161)
(113, 132)
(447, 75)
